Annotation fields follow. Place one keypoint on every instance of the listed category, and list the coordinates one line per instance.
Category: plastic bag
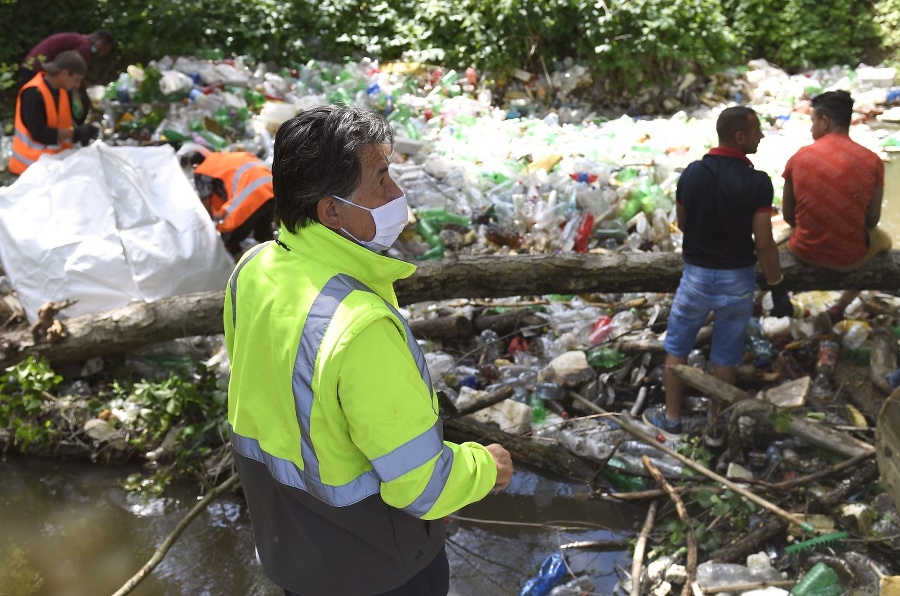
(552, 572)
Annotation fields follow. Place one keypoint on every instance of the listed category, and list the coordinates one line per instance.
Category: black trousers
(434, 580)
(260, 224)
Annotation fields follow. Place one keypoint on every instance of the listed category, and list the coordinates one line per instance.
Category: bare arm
(679, 215)
(873, 213)
(766, 250)
(788, 202)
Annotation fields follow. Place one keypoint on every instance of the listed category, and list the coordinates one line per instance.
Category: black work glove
(781, 302)
(86, 133)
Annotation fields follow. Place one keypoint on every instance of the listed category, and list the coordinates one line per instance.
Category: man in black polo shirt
(724, 209)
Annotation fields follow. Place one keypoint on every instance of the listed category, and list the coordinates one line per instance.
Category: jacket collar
(320, 243)
(729, 152)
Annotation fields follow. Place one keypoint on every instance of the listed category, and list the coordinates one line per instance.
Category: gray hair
(317, 155)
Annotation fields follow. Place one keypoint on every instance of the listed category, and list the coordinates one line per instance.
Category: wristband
(772, 284)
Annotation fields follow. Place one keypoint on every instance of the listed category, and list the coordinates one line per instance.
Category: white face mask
(390, 219)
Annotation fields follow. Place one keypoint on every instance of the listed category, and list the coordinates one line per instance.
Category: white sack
(107, 226)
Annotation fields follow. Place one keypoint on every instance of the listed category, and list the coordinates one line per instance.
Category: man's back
(833, 180)
(720, 195)
(50, 47)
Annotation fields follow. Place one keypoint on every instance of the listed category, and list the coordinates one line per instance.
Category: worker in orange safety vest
(43, 121)
(236, 189)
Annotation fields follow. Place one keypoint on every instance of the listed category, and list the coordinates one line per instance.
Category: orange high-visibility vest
(248, 186)
(25, 150)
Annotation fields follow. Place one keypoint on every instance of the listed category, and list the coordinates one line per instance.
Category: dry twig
(638, 561)
(689, 539)
(171, 538)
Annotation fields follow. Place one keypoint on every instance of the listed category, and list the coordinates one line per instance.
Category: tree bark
(551, 458)
(813, 433)
(482, 276)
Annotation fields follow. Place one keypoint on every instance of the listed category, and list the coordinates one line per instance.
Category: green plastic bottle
(429, 233)
(538, 409)
(820, 580)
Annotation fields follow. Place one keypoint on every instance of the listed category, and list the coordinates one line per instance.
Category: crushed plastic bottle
(583, 584)
(763, 351)
(856, 335)
(820, 580)
(697, 359)
(601, 330)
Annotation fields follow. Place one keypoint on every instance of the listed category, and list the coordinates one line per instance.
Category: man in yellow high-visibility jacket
(334, 419)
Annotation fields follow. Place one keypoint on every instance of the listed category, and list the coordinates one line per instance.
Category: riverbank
(163, 406)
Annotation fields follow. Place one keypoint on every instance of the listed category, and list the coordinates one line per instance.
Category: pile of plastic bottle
(536, 170)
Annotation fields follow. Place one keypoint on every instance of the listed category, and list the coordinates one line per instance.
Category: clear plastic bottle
(697, 359)
(821, 392)
(827, 358)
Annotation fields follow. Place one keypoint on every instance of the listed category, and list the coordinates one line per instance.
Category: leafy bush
(887, 19)
(624, 44)
(803, 34)
(25, 390)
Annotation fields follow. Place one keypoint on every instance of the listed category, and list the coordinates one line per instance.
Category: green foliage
(887, 19)
(24, 391)
(7, 76)
(781, 420)
(186, 419)
(183, 421)
(714, 515)
(625, 44)
(803, 34)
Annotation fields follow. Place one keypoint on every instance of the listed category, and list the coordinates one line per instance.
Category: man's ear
(739, 137)
(327, 210)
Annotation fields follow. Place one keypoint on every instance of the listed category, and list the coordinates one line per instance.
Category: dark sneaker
(655, 416)
(715, 433)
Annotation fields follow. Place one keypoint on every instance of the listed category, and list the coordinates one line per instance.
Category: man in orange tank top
(832, 196)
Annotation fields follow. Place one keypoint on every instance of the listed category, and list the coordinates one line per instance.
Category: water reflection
(890, 208)
(74, 525)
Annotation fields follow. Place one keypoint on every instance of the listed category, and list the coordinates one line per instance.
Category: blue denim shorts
(726, 292)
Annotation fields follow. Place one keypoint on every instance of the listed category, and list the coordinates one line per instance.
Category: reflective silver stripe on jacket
(390, 466)
(237, 199)
(232, 281)
(22, 158)
(34, 144)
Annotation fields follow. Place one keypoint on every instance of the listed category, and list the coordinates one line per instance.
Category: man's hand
(781, 302)
(86, 133)
(504, 465)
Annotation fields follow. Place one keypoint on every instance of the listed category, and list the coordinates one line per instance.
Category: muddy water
(74, 526)
(890, 210)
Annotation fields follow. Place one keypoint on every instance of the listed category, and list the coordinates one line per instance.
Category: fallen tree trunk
(813, 433)
(483, 276)
(549, 457)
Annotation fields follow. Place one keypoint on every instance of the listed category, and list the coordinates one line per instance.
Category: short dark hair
(732, 120)
(317, 155)
(104, 35)
(837, 105)
(70, 60)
